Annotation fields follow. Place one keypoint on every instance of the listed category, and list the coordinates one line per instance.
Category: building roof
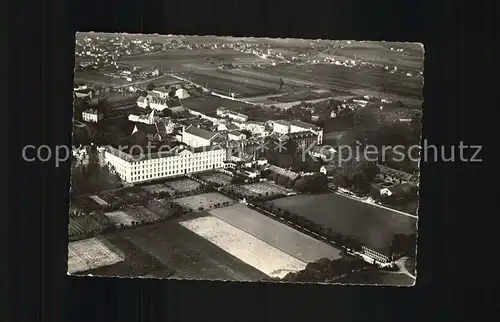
(287, 173)
(298, 135)
(202, 133)
(92, 111)
(306, 125)
(157, 155)
(231, 127)
(141, 99)
(282, 122)
(146, 128)
(235, 133)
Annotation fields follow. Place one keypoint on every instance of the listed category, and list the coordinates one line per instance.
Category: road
(140, 82)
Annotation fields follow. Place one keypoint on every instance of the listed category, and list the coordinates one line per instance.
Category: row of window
(208, 155)
(157, 168)
(169, 173)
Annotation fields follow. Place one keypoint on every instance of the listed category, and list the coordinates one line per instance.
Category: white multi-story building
(179, 161)
(299, 126)
(146, 119)
(198, 137)
(92, 115)
(281, 127)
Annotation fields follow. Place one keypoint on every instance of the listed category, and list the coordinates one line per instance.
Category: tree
(311, 184)
(150, 86)
(246, 132)
(144, 93)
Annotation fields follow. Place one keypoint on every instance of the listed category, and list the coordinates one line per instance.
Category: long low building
(135, 168)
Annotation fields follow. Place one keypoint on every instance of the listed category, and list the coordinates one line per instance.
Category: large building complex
(178, 161)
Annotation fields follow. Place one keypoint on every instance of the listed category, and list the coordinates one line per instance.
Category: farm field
(135, 263)
(374, 226)
(262, 189)
(224, 82)
(161, 207)
(81, 225)
(183, 60)
(89, 254)
(85, 204)
(210, 104)
(244, 246)
(141, 214)
(157, 188)
(276, 234)
(358, 81)
(109, 197)
(99, 200)
(205, 200)
(129, 195)
(377, 278)
(217, 177)
(189, 255)
(183, 185)
(119, 217)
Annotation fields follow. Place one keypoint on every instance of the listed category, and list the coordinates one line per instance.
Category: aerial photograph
(245, 159)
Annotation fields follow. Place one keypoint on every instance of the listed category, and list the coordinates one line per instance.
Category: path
(373, 204)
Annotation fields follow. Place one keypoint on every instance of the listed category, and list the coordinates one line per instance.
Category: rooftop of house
(235, 133)
(92, 111)
(156, 153)
(305, 125)
(202, 133)
(146, 128)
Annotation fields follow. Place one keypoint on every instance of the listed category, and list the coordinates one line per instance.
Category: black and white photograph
(246, 159)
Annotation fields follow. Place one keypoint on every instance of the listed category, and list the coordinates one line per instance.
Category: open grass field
(262, 189)
(276, 234)
(205, 200)
(225, 82)
(98, 78)
(244, 246)
(374, 226)
(89, 254)
(217, 177)
(210, 104)
(377, 277)
(183, 185)
(187, 254)
(358, 81)
(182, 60)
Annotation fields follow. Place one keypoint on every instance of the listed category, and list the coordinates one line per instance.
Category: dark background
(452, 208)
